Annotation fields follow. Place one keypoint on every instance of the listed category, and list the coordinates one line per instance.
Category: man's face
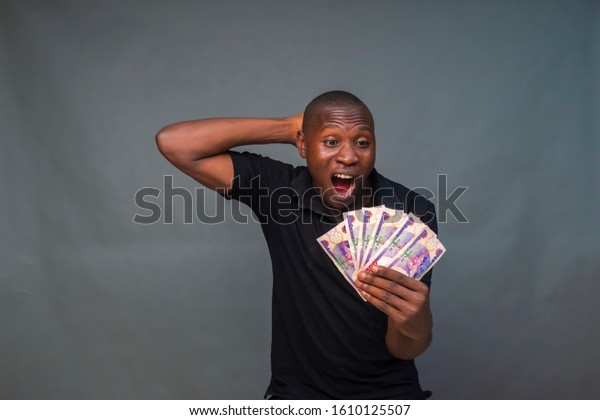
(340, 154)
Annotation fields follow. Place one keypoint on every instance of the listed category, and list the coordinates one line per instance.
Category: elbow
(170, 142)
(162, 139)
(169, 145)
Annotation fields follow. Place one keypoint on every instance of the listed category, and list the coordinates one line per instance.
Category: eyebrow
(362, 127)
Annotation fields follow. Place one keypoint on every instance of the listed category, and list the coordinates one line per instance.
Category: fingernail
(375, 269)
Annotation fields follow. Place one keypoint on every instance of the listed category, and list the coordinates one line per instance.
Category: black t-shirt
(326, 341)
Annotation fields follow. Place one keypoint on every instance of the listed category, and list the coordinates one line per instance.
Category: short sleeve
(254, 179)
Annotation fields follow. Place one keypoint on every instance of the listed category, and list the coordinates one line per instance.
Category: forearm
(404, 347)
(199, 139)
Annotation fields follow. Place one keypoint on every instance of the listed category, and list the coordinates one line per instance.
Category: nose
(346, 154)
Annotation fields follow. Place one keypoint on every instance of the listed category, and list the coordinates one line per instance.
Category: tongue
(341, 185)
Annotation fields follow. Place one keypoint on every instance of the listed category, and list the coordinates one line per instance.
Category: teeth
(342, 176)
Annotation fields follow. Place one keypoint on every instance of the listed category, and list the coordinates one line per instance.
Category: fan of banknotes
(381, 236)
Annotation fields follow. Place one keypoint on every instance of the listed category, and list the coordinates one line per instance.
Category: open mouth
(342, 184)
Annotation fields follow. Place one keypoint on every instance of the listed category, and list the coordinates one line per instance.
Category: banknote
(353, 227)
(397, 241)
(418, 257)
(381, 236)
(368, 218)
(355, 224)
(388, 222)
(336, 245)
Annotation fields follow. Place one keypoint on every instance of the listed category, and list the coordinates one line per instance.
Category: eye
(330, 142)
(363, 143)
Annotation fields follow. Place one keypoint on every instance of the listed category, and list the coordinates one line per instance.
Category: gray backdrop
(502, 96)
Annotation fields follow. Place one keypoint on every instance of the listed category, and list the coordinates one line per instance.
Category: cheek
(319, 157)
(368, 155)
(368, 158)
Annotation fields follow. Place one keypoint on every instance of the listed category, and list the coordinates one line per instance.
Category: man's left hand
(404, 300)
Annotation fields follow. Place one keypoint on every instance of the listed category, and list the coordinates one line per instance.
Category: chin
(341, 202)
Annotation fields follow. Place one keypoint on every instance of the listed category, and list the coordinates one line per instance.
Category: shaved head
(335, 99)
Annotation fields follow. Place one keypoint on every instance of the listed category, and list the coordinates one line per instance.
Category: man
(326, 341)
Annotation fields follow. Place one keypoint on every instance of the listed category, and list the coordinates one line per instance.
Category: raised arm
(199, 148)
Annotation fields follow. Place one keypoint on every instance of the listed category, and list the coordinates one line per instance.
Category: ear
(301, 144)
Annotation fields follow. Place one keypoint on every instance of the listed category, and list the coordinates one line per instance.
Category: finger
(398, 277)
(365, 280)
(388, 291)
(389, 304)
